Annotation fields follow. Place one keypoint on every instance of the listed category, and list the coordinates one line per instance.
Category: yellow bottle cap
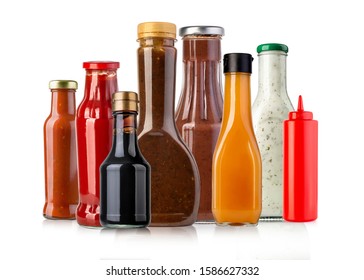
(62, 84)
(157, 29)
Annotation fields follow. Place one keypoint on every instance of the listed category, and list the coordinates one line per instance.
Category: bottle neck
(201, 96)
(272, 73)
(125, 138)
(237, 103)
(63, 101)
(202, 48)
(100, 84)
(157, 74)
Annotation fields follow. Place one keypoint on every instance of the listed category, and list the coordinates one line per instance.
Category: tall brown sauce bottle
(199, 110)
(175, 181)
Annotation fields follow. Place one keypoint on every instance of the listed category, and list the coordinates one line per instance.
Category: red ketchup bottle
(300, 149)
(94, 126)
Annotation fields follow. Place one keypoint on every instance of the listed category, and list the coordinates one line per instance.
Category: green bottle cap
(272, 47)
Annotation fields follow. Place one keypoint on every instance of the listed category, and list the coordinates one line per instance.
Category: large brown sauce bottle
(199, 110)
(175, 180)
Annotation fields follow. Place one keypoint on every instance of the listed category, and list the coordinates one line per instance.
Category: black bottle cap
(238, 62)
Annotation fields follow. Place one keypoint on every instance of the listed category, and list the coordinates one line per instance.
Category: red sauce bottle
(300, 165)
(94, 125)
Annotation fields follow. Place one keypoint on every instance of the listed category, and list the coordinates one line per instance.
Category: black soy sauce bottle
(125, 174)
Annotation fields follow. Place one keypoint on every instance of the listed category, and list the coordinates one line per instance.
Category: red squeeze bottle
(300, 150)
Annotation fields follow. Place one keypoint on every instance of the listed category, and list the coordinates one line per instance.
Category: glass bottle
(270, 109)
(237, 170)
(60, 161)
(199, 109)
(94, 125)
(175, 181)
(125, 175)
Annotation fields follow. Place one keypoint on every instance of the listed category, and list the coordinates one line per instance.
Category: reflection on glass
(181, 234)
(173, 242)
(121, 234)
(237, 242)
(157, 243)
(58, 224)
(125, 244)
(283, 241)
(267, 241)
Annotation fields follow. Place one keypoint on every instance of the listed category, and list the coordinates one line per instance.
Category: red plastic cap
(300, 114)
(101, 65)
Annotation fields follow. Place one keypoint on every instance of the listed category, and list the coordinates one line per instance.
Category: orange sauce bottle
(237, 167)
(60, 158)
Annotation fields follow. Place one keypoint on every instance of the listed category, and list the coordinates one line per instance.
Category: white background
(45, 40)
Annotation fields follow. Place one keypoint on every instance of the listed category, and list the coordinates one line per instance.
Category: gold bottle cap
(62, 84)
(157, 29)
(125, 101)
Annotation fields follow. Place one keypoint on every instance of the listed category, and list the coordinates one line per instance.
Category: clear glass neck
(63, 101)
(201, 96)
(125, 138)
(156, 41)
(237, 103)
(157, 75)
(202, 48)
(100, 84)
(272, 73)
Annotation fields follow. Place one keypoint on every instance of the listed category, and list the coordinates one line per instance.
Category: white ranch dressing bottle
(270, 109)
